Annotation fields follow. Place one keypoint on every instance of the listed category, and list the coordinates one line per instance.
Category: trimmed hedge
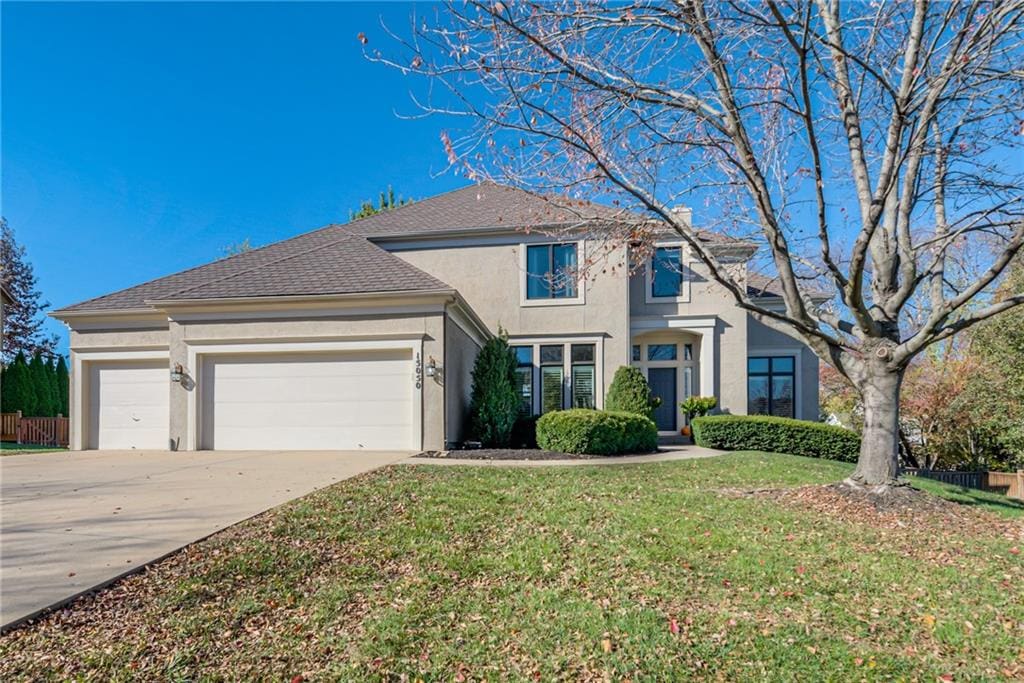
(596, 432)
(778, 435)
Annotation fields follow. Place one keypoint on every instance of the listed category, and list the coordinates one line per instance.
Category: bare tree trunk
(878, 464)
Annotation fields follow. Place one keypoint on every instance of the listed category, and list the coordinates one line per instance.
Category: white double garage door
(345, 400)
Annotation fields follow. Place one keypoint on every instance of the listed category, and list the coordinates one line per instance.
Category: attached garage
(333, 400)
(129, 404)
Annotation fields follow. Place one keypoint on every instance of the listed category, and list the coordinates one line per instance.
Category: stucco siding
(707, 299)
(460, 355)
(490, 276)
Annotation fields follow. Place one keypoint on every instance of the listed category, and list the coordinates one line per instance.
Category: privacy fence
(43, 431)
(1010, 484)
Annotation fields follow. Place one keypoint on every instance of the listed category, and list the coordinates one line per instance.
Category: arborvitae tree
(494, 403)
(39, 379)
(51, 378)
(17, 389)
(6, 397)
(63, 385)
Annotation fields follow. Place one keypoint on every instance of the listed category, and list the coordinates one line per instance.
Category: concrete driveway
(70, 522)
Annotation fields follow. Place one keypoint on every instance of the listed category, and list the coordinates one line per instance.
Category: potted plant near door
(696, 406)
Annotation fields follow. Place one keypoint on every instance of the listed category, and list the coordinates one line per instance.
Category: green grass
(442, 573)
(12, 448)
(993, 502)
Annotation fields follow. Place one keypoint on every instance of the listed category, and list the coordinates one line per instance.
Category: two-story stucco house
(363, 335)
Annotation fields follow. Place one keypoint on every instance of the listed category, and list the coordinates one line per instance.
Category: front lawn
(12, 448)
(665, 571)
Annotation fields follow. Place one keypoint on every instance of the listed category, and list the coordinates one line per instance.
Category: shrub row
(778, 435)
(596, 432)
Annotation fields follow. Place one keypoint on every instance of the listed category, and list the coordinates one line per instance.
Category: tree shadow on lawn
(973, 497)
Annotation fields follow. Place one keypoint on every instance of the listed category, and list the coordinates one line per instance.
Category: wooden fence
(1010, 484)
(43, 431)
(1013, 482)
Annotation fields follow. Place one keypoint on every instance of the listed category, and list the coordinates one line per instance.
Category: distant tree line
(37, 387)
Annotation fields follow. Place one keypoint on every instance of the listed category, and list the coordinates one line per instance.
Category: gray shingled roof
(347, 265)
(761, 285)
(486, 205)
(330, 260)
(342, 259)
(490, 205)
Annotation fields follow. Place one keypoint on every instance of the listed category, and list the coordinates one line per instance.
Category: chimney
(683, 214)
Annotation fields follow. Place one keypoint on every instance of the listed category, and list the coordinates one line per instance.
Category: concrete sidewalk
(74, 521)
(665, 454)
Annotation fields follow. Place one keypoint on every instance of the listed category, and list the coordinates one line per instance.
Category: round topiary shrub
(777, 435)
(596, 432)
(630, 393)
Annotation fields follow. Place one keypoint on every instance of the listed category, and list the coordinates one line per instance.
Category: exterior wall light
(431, 367)
(177, 372)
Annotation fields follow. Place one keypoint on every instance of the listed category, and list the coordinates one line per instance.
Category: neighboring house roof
(765, 286)
(342, 259)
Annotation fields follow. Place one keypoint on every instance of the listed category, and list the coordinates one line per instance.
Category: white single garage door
(128, 404)
(308, 401)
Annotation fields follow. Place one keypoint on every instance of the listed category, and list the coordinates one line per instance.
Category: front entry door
(663, 385)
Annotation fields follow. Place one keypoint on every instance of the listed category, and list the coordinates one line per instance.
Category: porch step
(674, 440)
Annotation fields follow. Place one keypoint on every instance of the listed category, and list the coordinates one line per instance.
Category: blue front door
(663, 385)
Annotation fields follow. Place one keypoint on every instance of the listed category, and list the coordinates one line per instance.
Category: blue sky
(141, 139)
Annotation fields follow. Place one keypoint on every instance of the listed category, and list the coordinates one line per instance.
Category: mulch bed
(513, 454)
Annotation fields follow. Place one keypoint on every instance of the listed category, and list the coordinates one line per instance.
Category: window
(667, 273)
(551, 271)
(582, 356)
(524, 377)
(687, 351)
(771, 385)
(661, 352)
(636, 352)
(552, 374)
(557, 375)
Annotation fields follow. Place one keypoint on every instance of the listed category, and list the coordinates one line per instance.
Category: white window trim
(797, 353)
(80, 360)
(684, 260)
(566, 343)
(581, 288)
(198, 352)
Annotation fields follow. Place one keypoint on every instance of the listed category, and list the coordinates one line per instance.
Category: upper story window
(666, 272)
(666, 280)
(551, 271)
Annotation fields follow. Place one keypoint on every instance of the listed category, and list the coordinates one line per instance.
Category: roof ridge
(234, 274)
(411, 202)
